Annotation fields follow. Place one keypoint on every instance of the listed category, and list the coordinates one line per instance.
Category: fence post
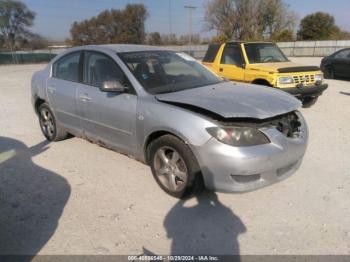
(314, 49)
(294, 48)
(336, 45)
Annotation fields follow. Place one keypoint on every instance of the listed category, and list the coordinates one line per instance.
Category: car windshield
(167, 71)
(264, 53)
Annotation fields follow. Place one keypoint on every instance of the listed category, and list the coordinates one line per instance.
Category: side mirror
(113, 86)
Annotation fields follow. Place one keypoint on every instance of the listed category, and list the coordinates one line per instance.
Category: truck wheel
(174, 167)
(309, 101)
(48, 124)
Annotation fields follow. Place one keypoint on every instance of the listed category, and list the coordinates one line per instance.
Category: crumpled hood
(282, 67)
(239, 100)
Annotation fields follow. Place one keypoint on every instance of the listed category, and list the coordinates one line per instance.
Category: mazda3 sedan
(165, 109)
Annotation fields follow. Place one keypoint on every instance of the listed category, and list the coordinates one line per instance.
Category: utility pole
(170, 19)
(190, 9)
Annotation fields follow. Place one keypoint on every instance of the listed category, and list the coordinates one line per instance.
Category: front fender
(162, 117)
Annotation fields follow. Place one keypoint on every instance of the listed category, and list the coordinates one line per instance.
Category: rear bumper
(315, 90)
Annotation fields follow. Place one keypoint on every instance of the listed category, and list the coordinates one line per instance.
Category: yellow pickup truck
(263, 63)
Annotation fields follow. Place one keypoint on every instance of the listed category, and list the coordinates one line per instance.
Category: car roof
(121, 48)
(250, 42)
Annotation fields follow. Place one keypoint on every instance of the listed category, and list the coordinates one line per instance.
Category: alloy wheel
(170, 168)
(47, 122)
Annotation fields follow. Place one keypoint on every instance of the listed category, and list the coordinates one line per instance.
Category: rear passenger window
(67, 67)
(232, 55)
(211, 53)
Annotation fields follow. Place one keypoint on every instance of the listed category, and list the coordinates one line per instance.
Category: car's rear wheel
(48, 124)
(174, 166)
(329, 72)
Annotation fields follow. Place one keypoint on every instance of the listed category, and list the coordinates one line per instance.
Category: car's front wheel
(174, 166)
(48, 124)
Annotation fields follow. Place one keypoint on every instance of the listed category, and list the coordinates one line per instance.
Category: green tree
(340, 35)
(343, 35)
(169, 39)
(112, 26)
(248, 19)
(283, 36)
(32, 41)
(185, 39)
(154, 38)
(134, 16)
(317, 26)
(220, 39)
(15, 19)
(275, 19)
(234, 18)
(2, 41)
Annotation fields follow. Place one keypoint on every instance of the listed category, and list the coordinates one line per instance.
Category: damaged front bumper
(240, 169)
(306, 91)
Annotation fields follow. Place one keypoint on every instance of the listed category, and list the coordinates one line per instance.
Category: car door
(347, 67)
(62, 87)
(341, 63)
(107, 117)
(231, 64)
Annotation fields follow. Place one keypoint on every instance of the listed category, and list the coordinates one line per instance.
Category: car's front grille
(304, 79)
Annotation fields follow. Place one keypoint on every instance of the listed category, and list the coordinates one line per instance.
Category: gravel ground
(74, 197)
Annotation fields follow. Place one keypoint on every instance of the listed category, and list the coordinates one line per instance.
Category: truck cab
(263, 63)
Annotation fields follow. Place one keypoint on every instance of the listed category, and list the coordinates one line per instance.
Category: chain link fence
(292, 49)
(313, 48)
(28, 57)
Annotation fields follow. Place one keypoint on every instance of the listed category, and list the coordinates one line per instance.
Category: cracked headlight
(239, 136)
(285, 80)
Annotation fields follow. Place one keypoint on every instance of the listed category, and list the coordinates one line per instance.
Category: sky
(54, 17)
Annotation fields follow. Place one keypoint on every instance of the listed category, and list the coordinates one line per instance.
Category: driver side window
(232, 55)
(100, 68)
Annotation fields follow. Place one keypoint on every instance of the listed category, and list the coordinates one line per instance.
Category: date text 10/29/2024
(173, 258)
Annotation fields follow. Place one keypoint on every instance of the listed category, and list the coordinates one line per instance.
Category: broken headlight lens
(239, 136)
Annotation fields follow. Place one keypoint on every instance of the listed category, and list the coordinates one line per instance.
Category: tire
(262, 83)
(48, 124)
(329, 72)
(180, 177)
(309, 101)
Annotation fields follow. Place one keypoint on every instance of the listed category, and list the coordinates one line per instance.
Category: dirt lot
(73, 197)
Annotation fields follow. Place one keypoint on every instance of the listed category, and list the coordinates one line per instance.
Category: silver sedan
(165, 109)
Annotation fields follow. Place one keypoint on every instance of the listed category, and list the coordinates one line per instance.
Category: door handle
(51, 89)
(221, 69)
(85, 98)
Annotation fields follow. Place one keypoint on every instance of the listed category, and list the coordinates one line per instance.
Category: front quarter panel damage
(154, 116)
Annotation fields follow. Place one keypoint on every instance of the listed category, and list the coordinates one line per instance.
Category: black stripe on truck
(296, 69)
